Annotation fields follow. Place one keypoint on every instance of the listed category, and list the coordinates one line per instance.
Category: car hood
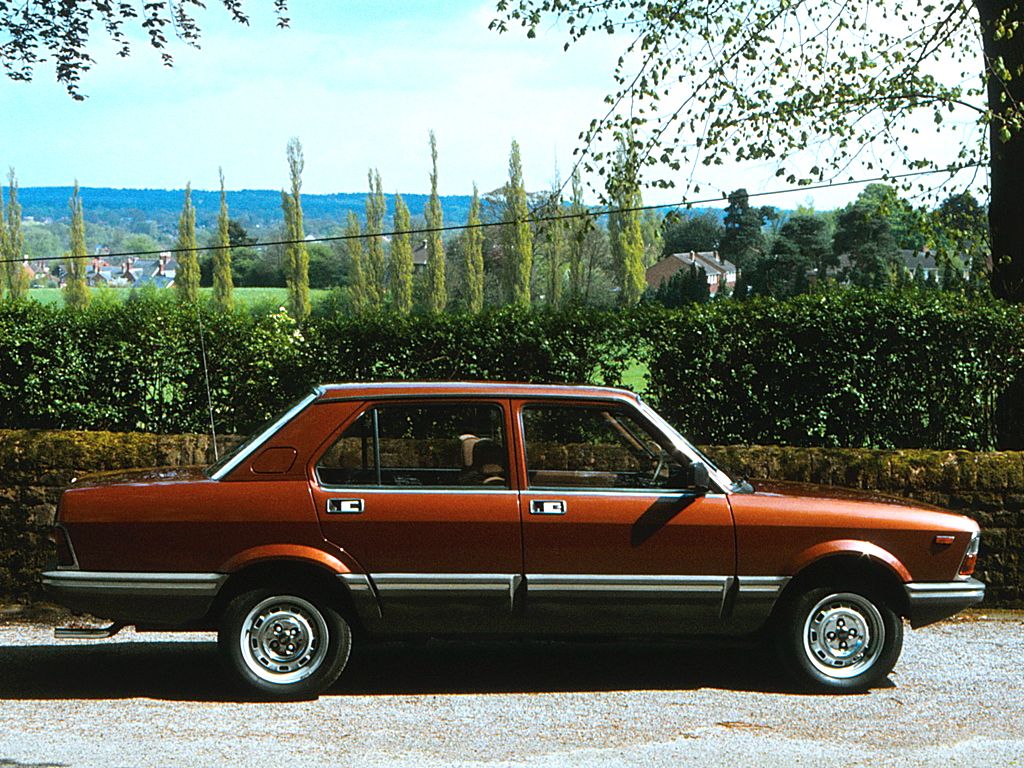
(140, 476)
(776, 488)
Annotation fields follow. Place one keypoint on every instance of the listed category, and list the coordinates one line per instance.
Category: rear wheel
(284, 645)
(837, 639)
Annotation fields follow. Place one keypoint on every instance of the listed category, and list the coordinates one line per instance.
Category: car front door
(420, 494)
(611, 543)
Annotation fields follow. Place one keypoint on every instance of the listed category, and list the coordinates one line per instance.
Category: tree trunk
(1005, 214)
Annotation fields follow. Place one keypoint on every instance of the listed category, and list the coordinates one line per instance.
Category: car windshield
(228, 461)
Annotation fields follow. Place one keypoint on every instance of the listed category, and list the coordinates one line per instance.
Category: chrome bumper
(928, 602)
(167, 599)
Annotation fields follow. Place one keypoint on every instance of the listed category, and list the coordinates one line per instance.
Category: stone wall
(36, 465)
(988, 487)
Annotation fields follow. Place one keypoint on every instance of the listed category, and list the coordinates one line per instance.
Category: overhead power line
(590, 212)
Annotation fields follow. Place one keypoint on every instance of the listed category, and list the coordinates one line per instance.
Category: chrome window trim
(722, 480)
(651, 416)
(431, 489)
(644, 492)
(500, 392)
(268, 433)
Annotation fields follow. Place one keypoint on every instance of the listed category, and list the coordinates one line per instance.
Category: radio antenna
(206, 379)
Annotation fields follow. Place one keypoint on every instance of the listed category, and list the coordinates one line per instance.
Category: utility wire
(590, 212)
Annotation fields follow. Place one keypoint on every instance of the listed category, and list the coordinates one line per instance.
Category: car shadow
(192, 671)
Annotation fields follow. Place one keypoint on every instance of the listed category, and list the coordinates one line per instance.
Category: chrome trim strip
(645, 492)
(431, 489)
(951, 590)
(356, 582)
(445, 582)
(566, 582)
(480, 392)
(267, 434)
(769, 586)
(125, 581)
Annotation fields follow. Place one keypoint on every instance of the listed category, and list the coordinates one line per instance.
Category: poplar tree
(76, 294)
(437, 294)
(296, 267)
(3, 238)
(186, 279)
(518, 238)
(358, 294)
(222, 284)
(624, 229)
(16, 277)
(579, 225)
(376, 266)
(400, 286)
(473, 244)
(554, 235)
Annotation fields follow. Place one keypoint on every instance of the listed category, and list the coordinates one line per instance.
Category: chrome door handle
(547, 507)
(344, 506)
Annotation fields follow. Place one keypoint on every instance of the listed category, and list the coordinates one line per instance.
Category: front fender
(864, 549)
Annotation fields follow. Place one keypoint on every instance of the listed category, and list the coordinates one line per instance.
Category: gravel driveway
(956, 699)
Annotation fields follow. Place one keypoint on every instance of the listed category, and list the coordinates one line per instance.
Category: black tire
(283, 645)
(838, 638)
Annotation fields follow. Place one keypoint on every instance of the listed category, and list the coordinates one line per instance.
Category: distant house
(133, 272)
(159, 272)
(718, 270)
(100, 272)
(913, 261)
(419, 257)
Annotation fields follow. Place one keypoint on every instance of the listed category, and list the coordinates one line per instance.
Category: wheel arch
(293, 572)
(883, 575)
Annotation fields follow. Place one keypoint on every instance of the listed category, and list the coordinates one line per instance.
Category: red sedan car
(374, 510)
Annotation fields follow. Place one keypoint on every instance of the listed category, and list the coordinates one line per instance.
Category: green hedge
(844, 368)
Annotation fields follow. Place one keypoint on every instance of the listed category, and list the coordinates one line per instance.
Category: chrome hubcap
(284, 639)
(843, 635)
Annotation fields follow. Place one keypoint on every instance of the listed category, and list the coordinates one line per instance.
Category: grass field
(635, 376)
(247, 297)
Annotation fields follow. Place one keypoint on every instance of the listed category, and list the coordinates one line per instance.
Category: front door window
(599, 446)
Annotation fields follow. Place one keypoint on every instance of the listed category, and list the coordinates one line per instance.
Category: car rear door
(419, 492)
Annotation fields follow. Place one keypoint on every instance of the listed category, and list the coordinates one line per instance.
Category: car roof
(469, 389)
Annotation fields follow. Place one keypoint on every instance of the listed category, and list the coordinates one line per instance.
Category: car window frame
(639, 416)
(511, 484)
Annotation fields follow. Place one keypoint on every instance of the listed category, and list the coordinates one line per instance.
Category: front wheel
(283, 646)
(839, 640)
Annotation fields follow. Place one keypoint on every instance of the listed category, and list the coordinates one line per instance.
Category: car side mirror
(693, 475)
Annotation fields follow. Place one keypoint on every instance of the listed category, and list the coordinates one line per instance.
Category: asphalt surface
(956, 698)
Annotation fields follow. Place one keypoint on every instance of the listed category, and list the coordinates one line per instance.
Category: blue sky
(360, 83)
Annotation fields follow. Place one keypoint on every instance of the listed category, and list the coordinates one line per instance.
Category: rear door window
(435, 445)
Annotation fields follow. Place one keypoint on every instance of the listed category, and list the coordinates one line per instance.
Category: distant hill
(253, 208)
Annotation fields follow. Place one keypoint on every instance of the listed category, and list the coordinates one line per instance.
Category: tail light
(970, 560)
(65, 554)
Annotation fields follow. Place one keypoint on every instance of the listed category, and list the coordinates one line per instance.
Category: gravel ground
(956, 698)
